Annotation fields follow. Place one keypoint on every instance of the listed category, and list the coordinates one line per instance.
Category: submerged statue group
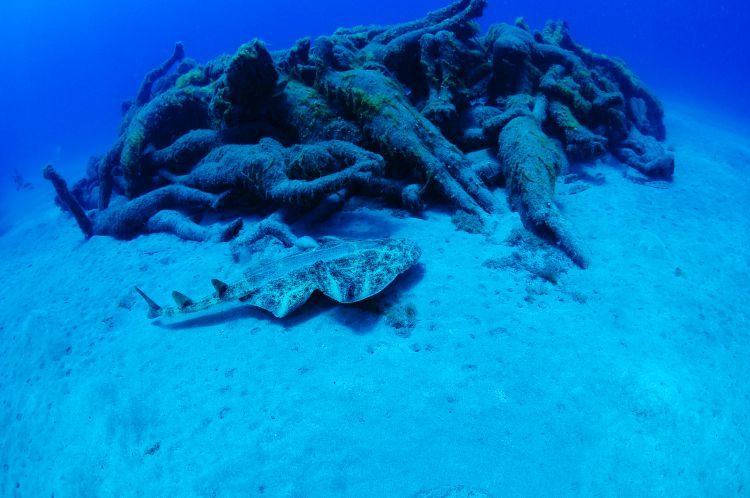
(390, 113)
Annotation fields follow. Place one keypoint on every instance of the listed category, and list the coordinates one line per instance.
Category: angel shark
(345, 271)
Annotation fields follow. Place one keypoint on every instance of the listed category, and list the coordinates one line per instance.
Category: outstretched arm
(67, 199)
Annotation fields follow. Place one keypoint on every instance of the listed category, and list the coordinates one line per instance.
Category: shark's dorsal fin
(181, 299)
(154, 310)
(221, 287)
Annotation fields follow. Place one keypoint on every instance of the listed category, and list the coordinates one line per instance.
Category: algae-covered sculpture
(390, 112)
(345, 271)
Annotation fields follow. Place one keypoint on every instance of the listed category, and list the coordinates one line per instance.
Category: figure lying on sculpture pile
(389, 112)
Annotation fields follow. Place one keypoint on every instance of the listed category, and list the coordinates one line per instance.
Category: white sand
(629, 378)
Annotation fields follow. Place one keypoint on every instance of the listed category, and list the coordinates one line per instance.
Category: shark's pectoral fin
(221, 287)
(154, 310)
(181, 300)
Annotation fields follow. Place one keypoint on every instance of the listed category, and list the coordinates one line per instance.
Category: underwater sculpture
(345, 271)
(150, 213)
(391, 112)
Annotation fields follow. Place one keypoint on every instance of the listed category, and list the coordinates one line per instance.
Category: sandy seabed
(629, 378)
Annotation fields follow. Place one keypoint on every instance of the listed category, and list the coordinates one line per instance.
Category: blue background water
(67, 66)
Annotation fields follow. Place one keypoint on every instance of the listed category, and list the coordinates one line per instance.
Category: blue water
(66, 66)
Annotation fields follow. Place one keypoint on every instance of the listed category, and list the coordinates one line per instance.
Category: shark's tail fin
(154, 310)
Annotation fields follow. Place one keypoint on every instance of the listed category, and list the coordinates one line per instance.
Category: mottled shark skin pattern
(345, 271)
